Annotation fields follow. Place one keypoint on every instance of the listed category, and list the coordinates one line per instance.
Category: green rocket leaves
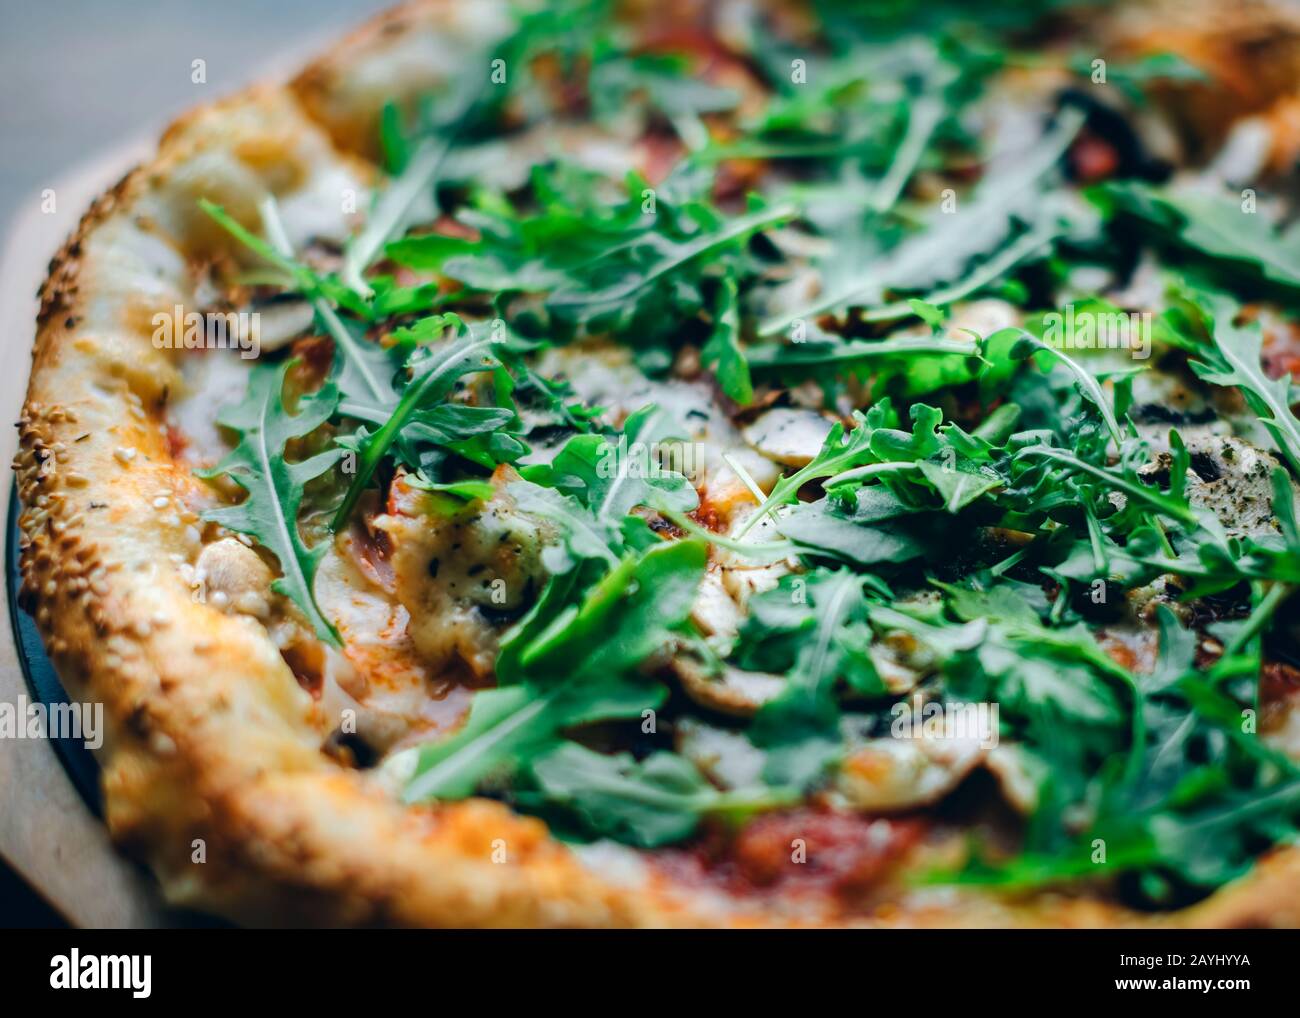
(274, 484)
(994, 517)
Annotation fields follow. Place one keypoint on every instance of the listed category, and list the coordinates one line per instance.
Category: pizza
(696, 465)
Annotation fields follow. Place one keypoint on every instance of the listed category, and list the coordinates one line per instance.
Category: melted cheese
(461, 575)
(398, 697)
(212, 379)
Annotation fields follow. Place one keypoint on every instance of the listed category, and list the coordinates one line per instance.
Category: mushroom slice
(898, 676)
(281, 322)
(790, 436)
(715, 612)
(726, 758)
(1015, 777)
(728, 690)
(1232, 479)
(896, 774)
(1236, 484)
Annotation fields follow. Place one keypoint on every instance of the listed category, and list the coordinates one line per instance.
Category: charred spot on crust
(1204, 466)
(349, 749)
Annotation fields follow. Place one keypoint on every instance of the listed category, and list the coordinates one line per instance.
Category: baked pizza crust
(212, 748)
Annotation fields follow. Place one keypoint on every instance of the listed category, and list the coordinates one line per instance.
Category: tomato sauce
(803, 851)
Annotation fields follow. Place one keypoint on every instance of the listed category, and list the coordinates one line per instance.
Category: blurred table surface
(80, 76)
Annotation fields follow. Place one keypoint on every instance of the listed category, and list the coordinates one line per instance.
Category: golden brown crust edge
(212, 748)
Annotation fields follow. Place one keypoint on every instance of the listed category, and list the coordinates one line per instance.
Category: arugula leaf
(838, 453)
(790, 360)
(509, 726)
(868, 532)
(585, 536)
(392, 208)
(474, 99)
(954, 464)
(799, 728)
(468, 491)
(941, 253)
(960, 482)
(669, 255)
(634, 610)
(637, 610)
(723, 347)
(1036, 668)
(432, 378)
(1007, 602)
(607, 268)
(653, 802)
(363, 378)
(1213, 228)
(1233, 359)
(1027, 345)
(1177, 654)
(274, 485)
(1196, 795)
(297, 276)
(665, 81)
(594, 481)
(1172, 507)
(1006, 655)
(613, 474)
